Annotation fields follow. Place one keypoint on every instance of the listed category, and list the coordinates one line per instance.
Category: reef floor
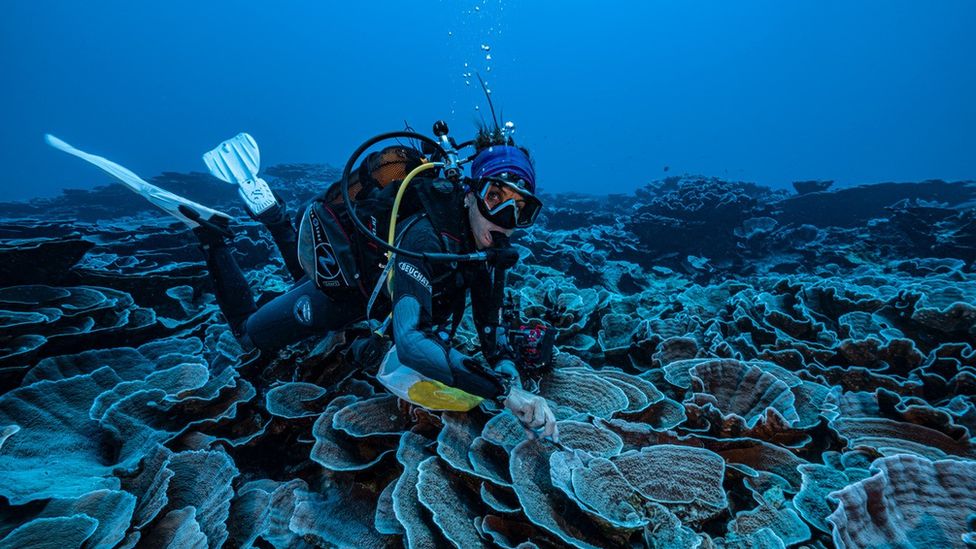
(736, 367)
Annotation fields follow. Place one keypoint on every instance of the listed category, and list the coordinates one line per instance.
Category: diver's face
(481, 228)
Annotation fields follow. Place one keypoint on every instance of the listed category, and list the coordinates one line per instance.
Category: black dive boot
(282, 230)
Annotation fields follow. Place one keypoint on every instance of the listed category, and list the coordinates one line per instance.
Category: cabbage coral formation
(778, 385)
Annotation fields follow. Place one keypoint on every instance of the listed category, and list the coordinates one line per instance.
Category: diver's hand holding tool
(531, 410)
(533, 413)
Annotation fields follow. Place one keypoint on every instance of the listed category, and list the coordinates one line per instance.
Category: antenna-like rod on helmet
(491, 105)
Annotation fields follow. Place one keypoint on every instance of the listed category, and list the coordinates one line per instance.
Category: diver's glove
(508, 369)
(533, 413)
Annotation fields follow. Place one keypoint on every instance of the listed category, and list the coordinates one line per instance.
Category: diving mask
(507, 204)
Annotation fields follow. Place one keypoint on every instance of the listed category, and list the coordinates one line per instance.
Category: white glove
(533, 413)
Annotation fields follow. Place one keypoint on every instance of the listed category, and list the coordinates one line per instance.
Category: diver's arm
(417, 347)
(422, 351)
(425, 354)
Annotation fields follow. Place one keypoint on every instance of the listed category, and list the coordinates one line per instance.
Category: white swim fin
(237, 161)
(185, 210)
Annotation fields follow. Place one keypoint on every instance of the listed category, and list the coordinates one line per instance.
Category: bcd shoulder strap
(335, 265)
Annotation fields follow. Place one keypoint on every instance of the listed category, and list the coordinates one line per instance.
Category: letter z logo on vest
(416, 275)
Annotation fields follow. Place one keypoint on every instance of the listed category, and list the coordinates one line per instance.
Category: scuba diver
(446, 234)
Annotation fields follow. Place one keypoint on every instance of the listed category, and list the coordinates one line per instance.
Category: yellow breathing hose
(396, 209)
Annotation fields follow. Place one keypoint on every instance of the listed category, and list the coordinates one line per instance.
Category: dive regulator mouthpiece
(500, 239)
(502, 254)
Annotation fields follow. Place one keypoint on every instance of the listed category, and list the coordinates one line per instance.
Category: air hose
(396, 209)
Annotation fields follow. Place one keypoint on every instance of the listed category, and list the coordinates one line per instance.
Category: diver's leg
(302, 312)
(230, 288)
(279, 224)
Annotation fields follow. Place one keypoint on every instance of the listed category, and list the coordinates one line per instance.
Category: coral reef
(736, 367)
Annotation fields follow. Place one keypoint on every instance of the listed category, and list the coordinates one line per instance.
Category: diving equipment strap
(379, 285)
(331, 251)
(386, 275)
(457, 313)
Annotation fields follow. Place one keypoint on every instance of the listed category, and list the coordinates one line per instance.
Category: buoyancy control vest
(336, 256)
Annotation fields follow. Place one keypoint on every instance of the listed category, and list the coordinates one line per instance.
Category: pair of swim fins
(236, 161)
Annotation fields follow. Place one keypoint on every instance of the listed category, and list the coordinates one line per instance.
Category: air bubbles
(485, 47)
(508, 129)
(488, 57)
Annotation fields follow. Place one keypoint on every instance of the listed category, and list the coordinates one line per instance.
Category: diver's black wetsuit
(424, 298)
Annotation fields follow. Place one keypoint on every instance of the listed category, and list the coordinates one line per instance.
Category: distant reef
(736, 366)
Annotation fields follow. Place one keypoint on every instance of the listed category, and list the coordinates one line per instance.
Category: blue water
(768, 344)
(605, 95)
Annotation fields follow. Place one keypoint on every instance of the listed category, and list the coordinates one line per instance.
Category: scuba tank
(327, 250)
